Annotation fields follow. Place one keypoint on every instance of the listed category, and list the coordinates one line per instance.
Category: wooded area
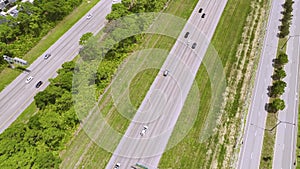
(19, 34)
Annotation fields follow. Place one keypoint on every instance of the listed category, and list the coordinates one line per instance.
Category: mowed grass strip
(8, 74)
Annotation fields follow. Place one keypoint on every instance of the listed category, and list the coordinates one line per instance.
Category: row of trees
(37, 143)
(19, 34)
(278, 86)
(286, 20)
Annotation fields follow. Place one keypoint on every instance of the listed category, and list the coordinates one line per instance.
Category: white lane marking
(255, 133)
(283, 147)
(252, 155)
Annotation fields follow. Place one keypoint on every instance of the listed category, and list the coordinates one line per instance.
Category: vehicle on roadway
(166, 72)
(117, 166)
(29, 79)
(194, 45)
(200, 10)
(38, 84)
(186, 34)
(143, 132)
(203, 15)
(47, 55)
(89, 16)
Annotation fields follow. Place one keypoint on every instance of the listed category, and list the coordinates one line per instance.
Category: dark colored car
(194, 45)
(186, 34)
(200, 10)
(203, 15)
(47, 56)
(38, 84)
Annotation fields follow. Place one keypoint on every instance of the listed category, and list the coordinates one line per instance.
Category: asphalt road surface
(254, 132)
(286, 134)
(182, 63)
(17, 96)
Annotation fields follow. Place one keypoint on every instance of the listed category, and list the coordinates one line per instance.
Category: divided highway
(183, 63)
(17, 96)
(286, 133)
(252, 143)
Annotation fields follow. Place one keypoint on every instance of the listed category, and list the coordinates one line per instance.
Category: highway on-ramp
(182, 63)
(252, 143)
(286, 133)
(18, 95)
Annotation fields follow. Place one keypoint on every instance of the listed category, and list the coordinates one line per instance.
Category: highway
(18, 95)
(182, 63)
(286, 133)
(252, 143)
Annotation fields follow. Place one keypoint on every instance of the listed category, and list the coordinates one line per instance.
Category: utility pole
(288, 40)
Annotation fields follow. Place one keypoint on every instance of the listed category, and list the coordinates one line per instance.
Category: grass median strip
(267, 155)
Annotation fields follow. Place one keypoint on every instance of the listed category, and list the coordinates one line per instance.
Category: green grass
(140, 85)
(27, 113)
(269, 141)
(8, 75)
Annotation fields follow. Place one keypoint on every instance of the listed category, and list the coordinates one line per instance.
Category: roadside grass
(139, 85)
(8, 74)
(27, 113)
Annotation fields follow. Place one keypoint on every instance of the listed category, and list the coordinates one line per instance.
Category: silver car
(143, 132)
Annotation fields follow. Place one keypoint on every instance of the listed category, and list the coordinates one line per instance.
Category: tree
(281, 60)
(277, 88)
(85, 37)
(118, 11)
(279, 74)
(276, 105)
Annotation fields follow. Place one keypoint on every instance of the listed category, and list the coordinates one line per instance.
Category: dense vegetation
(19, 34)
(286, 20)
(36, 144)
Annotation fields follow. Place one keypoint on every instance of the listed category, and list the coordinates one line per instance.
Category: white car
(166, 72)
(116, 1)
(117, 166)
(89, 16)
(29, 79)
(143, 132)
